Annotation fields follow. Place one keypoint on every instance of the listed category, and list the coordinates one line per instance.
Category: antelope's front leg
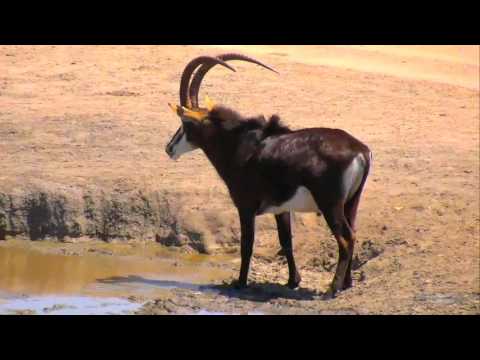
(284, 227)
(247, 226)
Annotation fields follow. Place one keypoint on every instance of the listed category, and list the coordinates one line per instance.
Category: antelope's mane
(231, 120)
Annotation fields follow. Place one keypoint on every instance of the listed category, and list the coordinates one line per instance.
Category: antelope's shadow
(266, 291)
(256, 291)
(140, 280)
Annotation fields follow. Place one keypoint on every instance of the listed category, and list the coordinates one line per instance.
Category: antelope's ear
(197, 115)
(210, 104)
(176, 109)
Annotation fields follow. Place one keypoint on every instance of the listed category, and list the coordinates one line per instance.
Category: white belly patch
(301, 201)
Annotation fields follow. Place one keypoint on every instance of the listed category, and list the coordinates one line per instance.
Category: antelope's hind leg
(351, 214)
(284, 227)
(350, 211)
(345, 237)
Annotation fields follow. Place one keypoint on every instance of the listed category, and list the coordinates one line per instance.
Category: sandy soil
(77, 116)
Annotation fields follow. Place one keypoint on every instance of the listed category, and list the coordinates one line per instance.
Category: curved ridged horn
(202, 71)
(188, 71)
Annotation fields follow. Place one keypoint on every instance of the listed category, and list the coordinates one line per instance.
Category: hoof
(281, 252)
(347, 285)
(238, 285)
(294, 283)
(329, 294)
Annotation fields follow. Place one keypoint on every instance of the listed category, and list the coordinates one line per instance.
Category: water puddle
(68, 305)
(42, 282)
(38, 273)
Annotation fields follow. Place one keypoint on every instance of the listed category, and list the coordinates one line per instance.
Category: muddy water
(32, 279)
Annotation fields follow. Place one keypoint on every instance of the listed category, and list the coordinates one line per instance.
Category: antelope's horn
(202, 71)
(188, 71)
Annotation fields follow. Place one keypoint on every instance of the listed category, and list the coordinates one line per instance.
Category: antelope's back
(311, 148)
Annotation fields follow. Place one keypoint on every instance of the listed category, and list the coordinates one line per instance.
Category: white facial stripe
(181, 145)
(176, 137)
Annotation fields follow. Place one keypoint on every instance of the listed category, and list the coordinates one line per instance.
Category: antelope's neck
(223, 160)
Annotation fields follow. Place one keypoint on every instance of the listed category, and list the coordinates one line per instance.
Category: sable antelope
(269, 168)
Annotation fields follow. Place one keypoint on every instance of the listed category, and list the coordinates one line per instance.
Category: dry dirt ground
(82, 136)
